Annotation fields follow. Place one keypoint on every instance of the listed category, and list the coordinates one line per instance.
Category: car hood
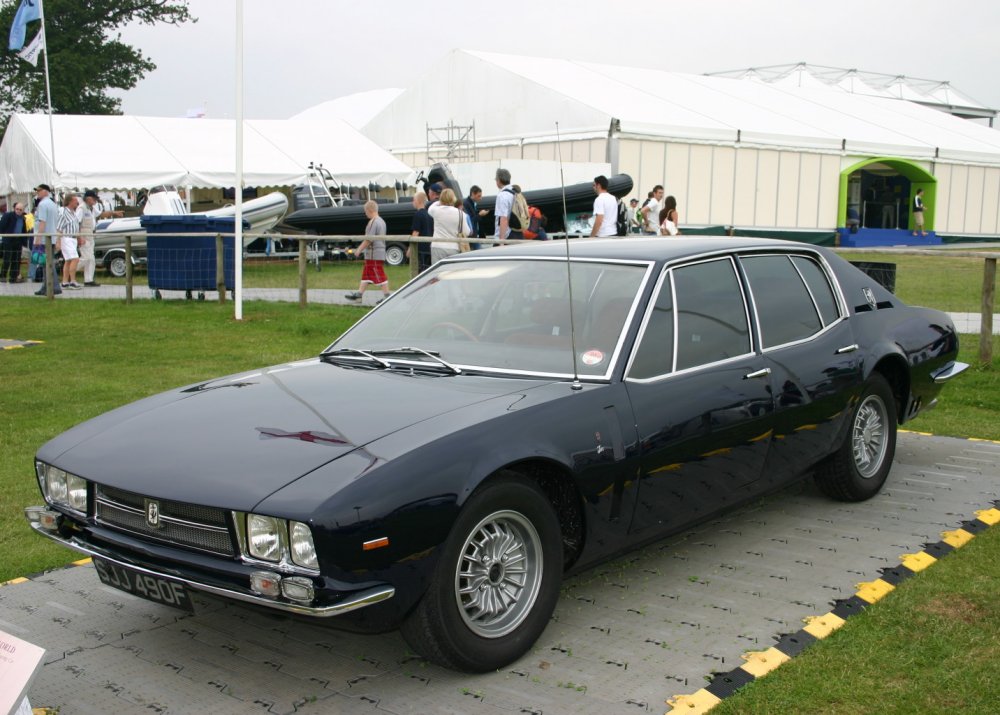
(233, 441)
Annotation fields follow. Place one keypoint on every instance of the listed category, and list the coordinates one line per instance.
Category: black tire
(507, 517)
(115, 265)
(859, 467)
(395, 254)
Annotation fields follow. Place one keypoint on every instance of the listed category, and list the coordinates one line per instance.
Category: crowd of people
(451, 221)
(71, 227)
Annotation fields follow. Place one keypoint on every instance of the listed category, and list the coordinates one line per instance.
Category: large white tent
(127, 152)
(783, 156)
(524, 97)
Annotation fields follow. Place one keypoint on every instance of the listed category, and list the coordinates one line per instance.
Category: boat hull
(351, 220)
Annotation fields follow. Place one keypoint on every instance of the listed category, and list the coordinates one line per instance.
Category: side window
(655, 354)
(784, 306)
(711, 316)
(819, 286)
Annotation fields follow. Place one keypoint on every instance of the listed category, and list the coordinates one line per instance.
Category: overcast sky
(299, 53)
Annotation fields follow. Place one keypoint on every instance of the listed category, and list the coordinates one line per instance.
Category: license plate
(152, 588)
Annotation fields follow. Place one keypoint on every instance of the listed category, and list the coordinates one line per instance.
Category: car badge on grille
(153, 513)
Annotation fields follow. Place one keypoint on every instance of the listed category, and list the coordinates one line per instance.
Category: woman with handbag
(449, 225)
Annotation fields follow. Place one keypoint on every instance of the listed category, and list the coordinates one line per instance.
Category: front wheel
(496, 582)
(860, 466)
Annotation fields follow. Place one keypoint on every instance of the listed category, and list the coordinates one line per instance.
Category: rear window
(785, 307)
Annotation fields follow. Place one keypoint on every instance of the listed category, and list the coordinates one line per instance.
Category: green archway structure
(919, 178)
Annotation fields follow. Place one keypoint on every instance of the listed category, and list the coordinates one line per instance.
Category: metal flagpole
(238, 189)
(48, 91)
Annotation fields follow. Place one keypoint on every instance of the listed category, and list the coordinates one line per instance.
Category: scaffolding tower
(451, 143)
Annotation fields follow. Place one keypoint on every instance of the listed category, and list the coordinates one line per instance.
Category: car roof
(641, 249)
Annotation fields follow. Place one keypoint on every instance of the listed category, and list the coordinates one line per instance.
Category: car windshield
(509, 315)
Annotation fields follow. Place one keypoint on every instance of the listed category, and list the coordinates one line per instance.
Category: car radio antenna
(569, 277)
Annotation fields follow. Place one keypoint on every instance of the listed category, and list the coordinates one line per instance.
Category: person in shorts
(374, 252)
(68, 230)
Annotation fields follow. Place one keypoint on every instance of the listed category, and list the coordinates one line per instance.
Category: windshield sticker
(592, 357)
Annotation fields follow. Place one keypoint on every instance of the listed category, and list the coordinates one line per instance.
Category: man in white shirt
(651, 213)
(605, 210)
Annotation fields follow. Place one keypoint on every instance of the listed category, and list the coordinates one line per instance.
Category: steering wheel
(453, 326)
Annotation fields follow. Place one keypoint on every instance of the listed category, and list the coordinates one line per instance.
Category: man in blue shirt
(46, 218)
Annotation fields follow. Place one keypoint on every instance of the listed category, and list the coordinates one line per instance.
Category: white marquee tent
(527, 95)
(127, 152)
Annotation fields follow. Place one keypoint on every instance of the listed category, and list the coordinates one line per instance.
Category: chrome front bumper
(949, 371)
(37, 514)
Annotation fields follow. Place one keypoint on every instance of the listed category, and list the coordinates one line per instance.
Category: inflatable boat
(398, 217)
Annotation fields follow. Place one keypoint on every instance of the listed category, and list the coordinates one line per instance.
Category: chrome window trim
(668, 269)
(831, 280)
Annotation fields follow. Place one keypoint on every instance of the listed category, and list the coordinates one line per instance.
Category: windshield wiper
(354, 351)
(419, 351)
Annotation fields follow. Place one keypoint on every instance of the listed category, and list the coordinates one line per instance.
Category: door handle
(763, 372)
(847, 349)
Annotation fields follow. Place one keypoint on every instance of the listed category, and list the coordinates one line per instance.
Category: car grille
(190, 525)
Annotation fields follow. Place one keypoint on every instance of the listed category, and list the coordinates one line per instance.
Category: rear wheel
(860, 466)
(115, 265)
(496, 582)
(395, 254)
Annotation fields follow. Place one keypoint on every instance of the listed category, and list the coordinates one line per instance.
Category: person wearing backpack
(605, 210)
(502, 209)
(520, 214)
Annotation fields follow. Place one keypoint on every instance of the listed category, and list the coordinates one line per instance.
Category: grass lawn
(97, 355)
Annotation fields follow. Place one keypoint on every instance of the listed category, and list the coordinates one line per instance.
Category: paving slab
(626, 635)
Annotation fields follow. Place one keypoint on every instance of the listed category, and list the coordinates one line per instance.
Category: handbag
(463, 246)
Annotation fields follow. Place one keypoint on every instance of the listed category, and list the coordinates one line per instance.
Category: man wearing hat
(89, 213)
(46, 218)
(634, 217)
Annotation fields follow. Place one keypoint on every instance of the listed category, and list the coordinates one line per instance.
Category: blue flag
(28, 11)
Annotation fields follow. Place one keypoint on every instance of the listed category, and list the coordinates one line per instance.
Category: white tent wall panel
(974, 200)
(829, 191)
(765, 210)
(745, 188)
(991, 202)
(676, 178)
(943, 174)
(788, 189)
(954, 209)
(810, 180)
(697, 197)
(723, 185)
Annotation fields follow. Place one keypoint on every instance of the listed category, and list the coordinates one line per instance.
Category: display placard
(19, 662)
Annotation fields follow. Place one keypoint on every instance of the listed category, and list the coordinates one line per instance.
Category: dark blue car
(507, 417)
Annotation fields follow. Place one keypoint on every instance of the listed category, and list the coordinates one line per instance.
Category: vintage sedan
(510, 416)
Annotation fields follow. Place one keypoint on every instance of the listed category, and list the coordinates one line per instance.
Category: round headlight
(263, 537)
(303, 549)
(55, 485)
(77, 488)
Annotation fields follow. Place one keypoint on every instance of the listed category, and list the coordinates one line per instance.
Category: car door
(700, 396)
(809, 347)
